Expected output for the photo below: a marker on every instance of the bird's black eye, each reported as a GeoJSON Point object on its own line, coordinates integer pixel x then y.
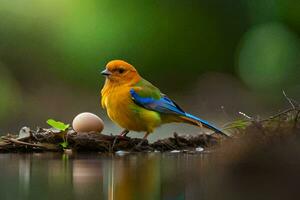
{"type": "Point", "coordinates": [121, 71]}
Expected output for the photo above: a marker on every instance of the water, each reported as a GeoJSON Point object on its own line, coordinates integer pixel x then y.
{"type": "Point", "coordinates": [101, 176]}
{"type": "Point", "coordinates": [149, 176]}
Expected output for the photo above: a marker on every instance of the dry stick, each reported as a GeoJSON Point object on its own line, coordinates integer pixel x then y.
{"type": "Point", "coordinates": [288, 99]}
{"type": "Point", "coordinates": [113, 144]}
{"type": "Point", "coordinates": [294, 108]}
{"type": "Point", "coordinates": [278, 114]}
{"type": "Point", "coordinates": [293, 102]}
{"type": "Point", "coordinates": [26, 143]}
{"type": "Point", "coordinates": [3, 143]}
{"type": "Point", "coordinates": [168, 144]}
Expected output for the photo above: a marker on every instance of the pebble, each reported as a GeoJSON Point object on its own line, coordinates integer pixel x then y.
{"type": "Point", "coordinates": [121, 153]}
{"type": "Point", "coordinates": [24, 133]}
{"type": "Point", "coordinates": [175, 151]}
{"type": "Point", "coordinates": [199, 149]}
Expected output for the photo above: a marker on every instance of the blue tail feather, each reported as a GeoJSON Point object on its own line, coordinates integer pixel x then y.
{"type": "Point", "coordinates": [205, 123]}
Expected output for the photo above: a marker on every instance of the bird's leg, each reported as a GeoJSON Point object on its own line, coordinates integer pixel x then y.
{"type": "Point", "coordinates": [122, 134]}
{"type": "Point", "coordinates": [143, 140]}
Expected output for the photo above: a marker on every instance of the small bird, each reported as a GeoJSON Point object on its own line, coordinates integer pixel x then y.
{"type": "Point", "coordinates": [136, 105]}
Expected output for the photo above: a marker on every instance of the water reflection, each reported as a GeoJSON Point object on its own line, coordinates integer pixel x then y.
{"type": "Point", "coordinates": [150, 176]}
{"type": "Point", "coordinates": [97, 176]}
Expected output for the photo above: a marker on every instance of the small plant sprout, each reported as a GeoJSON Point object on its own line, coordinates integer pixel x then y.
{"type": "Point", "coordinates": [240, 123]}
{"type": "Point", "coordinates": [63, 128]}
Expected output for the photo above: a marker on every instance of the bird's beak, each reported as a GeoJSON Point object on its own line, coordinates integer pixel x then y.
{"type": "Point", "coordinates": [106, 72]}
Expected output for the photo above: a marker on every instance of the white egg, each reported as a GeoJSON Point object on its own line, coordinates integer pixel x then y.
{"type": "Point", "coordinates": [87, 122]}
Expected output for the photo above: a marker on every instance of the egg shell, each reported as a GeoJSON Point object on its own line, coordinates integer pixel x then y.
{"type": "Point", "coordinates": [87, 122]}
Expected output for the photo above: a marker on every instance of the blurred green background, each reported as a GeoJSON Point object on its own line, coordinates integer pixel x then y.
{"type": "Point", "coordinates": [215, 58]}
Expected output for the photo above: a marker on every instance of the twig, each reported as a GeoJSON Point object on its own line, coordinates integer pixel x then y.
{"type": "Point", "coordinates": [289, 99]}
{"type": "Point", "coordinates": [28, 144]}
{"type": "Point", "coordinates": [3, 143]}
{"type": "Point", "coordinates": [278, 114]}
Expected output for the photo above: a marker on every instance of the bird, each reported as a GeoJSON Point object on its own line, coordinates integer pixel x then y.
{"type": "Point", "coordinates": [135, 104]}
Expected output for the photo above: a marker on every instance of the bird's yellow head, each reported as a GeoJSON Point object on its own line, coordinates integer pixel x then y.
{"type": "Point", "coordinates": [120, 72]}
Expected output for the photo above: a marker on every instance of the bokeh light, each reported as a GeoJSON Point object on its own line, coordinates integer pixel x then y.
{"type": "Point", "coordinates": [269, 57]}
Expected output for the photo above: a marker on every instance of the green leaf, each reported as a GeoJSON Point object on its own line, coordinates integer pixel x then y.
{"type": "Point", "coordinates": [64, 145]}
{"type": "Point", "coordinates": [58, 125]}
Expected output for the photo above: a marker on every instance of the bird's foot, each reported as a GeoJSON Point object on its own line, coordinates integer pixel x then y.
{"type": "Point", "coordinates": [114, 143]}
{"type": "Point", "coordinates": [140, 146]}
{"type": "Point", "coordinates": [118, 137]}
{"type": "Point", "coordinates": [121, 135]}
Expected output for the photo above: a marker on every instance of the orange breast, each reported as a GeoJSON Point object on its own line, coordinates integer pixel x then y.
{"type": "Point", "coordinates": [122, 110]}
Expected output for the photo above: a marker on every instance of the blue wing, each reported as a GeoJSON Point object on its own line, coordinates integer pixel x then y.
{"type": "Point", "coordinates": [162, 105]}
{"type": "Point", "coordinates": [167, 106]}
